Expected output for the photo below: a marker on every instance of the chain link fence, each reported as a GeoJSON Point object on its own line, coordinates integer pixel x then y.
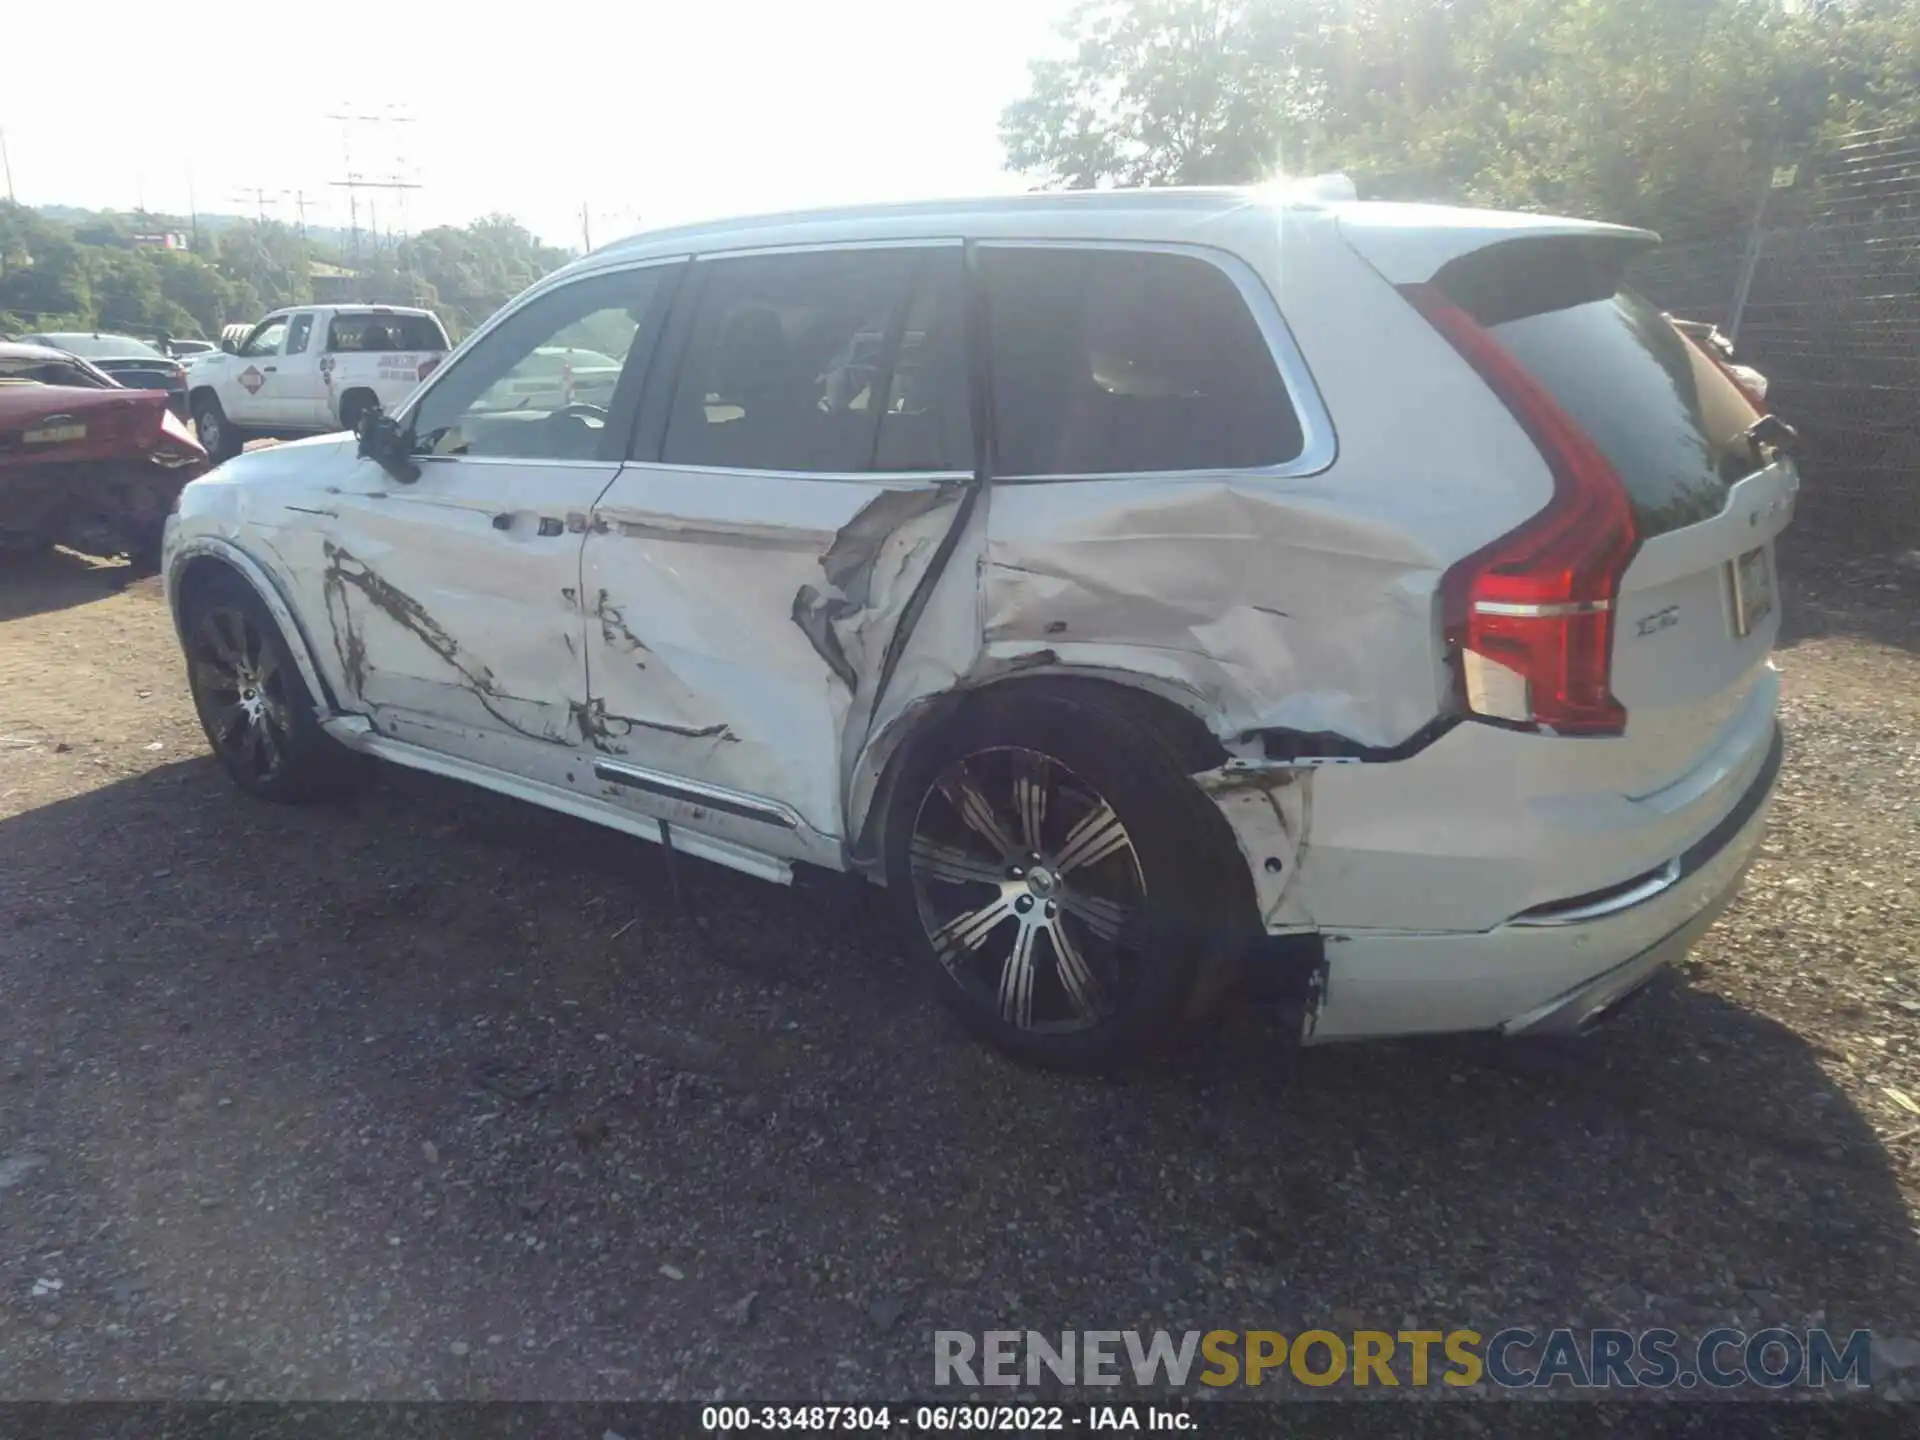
{"type": "Point", "coordinates": [1821, 292]}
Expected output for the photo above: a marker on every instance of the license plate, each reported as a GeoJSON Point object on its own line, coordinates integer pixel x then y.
{"type": "Point", "coordinates": [1752, 590]}
{"type": "Point", "coordinates": [54, 435]}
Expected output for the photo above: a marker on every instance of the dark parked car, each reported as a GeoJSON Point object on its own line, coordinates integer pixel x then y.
{"type": "Point", "coordinates": [134, 363]}
{"type": "Point", "coordinates": [187, 349]}
{"type": "Point", "coordinates": [85, 461]}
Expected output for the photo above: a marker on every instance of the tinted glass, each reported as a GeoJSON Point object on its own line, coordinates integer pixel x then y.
{"type": "Point", "coordinates": [786, 360]}
{"type": "Point", "coordinates": [1115, 361]}
{"type": "Point", "coordinates": [927, 423]}
{"type": "Point", "coordinates": [377, 333]}
{"type": "Point", "coordinates": [534, 389]}
{"type": "Point", "coordinates": [53, 372]}
{"type": "Point", "coordinates": [100, 347]}
{"type": "Point", "coordinates": [1665, 416]}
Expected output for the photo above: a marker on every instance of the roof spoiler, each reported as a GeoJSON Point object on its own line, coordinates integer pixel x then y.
{"type": "Point", "coordinates": [1410, 244]}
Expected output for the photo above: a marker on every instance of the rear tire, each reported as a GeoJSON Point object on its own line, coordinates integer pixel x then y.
{"type": "Point", "coordinates": [1033, 819]}
{"type": "Point", "coordinates": [217, 436]}
{"type": "Point", "coordinates": [256, 710]}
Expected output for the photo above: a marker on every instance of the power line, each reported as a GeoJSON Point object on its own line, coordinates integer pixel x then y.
{"type": "Point", "coordinates": [355, 181]}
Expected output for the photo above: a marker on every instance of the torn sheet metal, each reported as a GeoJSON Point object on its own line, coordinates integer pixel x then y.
{"type": "Point", "coordinates": [393, 651]}
{"type": "Point", "coordinates": [1258, 595]}
{"type": "Point", "coordinates": [743, 626]}
{"type": "Point", "coordinates": [871, 553]}
{"type": "Point", "coordinates": [1269, 808]}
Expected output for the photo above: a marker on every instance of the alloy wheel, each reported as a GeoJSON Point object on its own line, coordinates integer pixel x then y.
{"type": "Point", "coordinates": [242, 691]}
{"type": "Point", "coordinates": [1028, 889]}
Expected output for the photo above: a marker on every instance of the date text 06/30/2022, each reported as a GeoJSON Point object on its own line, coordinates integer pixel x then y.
{"type": "Point", "coordinates": [1005, 1419]}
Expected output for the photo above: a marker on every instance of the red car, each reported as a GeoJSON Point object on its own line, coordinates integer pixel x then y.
{"type": "Point", "coordinates": [84, 461]}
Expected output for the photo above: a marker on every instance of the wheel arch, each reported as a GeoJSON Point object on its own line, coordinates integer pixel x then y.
{"type": "Point", "coordinates": [203, 559]}
{"type": "Point", "coordinates": [1179, 713]}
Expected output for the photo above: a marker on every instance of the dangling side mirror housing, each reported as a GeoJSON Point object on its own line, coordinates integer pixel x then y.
{"type": "Point", "coordinates": [388, 444]}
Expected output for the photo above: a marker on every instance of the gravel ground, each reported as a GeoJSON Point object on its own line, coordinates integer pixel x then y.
{"type": "Point", "coordinates": [429, 1095]}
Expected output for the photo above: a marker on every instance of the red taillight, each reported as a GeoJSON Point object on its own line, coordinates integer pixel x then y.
{"type": "Point", "coordinates": [428, 365]}
{"type": "Point", "coordinates": [1529, 617]}
{"type": "Point", "coordinates": [176, 444]}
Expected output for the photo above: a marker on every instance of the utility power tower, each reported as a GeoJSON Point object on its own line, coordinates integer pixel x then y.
{"type": "Point", "coordinates": [390, 173]}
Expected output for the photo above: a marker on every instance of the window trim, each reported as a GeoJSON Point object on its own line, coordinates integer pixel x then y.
{"type": "Point", "coordinates": [1318, 443]}
{"type": "Point", "coordinates": [671, 357]}
{"type": "Point", "coordinates": [306, 340]}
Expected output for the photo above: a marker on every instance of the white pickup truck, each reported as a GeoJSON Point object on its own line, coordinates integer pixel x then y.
{"type": "Point", "coordinates": [308, 370]}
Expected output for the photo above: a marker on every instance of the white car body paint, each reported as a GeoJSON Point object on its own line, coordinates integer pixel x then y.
{"type": "Point", "coordinates": [716, 641]}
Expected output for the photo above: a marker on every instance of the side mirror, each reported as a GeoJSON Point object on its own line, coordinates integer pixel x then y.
{"type": "Point", "coordinates": [228, 346]}
{"type": "Point", "coordinates": [384, 442]}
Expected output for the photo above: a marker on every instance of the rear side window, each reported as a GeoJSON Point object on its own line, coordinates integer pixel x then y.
{"type": "Point", "coordinates": [1115, 361]}
{"type": "Point", "coordinates": [831, 362]}
{"type": "Point", "coordinates": [376, 333]}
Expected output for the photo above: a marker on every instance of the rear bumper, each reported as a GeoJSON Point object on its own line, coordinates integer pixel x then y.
{"type": "Point", "coordinates": [1552, 973]}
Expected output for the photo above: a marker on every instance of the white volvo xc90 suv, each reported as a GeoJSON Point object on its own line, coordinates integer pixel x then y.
{"type": "Point", "coordinates": [1155, 590]}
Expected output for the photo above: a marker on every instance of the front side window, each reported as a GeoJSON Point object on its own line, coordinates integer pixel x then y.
{"type": "Point", "coordinates": [297, 334]}
{"type": "Point", "coordinates": [266, 340]}
{"type": "Point", "coordinates": [829, 362]}
{"type": "Point", "coordinates": [541, 386]}
{"type": "Point", "coordinates": [1120, 361]}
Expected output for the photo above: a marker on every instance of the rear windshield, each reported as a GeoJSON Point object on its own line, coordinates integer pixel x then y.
{"type": "Point", "coordinates": [1667, 418]}
{"type": "Point", "coordinates": [103, 347]}
{"type": "Point", "coordinates": [76, 373]}
{"type": "Point", "coordinates": [380, 333]}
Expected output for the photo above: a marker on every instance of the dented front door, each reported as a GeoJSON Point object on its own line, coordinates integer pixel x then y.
{"type": "Point", "coordinates": [451, 597]}
{"type": "Point", "coordinates": [742, 589]}
{"type": "Point", "coordinates": [445, 606]}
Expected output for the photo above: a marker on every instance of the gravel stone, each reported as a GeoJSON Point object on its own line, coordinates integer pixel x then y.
{"type": "Point", "coordinates": [771, 1101]}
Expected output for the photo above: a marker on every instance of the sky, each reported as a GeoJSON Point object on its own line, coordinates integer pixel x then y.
{"type": "Point", "coordinates": [644, 113]}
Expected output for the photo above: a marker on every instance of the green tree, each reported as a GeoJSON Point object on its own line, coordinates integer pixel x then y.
{"type": "Point", "coordinates": [1167, 92]}
{"type": "Point", "coordinates": [270, 258]}
{"type": "Point", "coordinates": [1662, 112]}
{"type": "Point", "coordinates": [50, 278]}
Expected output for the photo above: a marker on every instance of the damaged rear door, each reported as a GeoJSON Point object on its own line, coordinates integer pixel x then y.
{"type": "Point", "coordinates": [449, 599]}
{"type": "Point", "coordinates": [745, 576]}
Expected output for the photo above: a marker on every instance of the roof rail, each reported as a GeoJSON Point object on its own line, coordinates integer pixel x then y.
{"type": "Point", "coordinates": [1332, 187]}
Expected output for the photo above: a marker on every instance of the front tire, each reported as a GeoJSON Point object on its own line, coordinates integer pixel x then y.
{"type": "Point", "coordinates": [1066, 883]}
{"type": "Point", "coordinates": [257, 712]}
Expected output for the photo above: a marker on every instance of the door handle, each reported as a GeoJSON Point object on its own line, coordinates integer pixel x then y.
{"type": "Point", "coordinates": [271, 369]}
{"type": "Point", "coordinates": [503, 522]}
